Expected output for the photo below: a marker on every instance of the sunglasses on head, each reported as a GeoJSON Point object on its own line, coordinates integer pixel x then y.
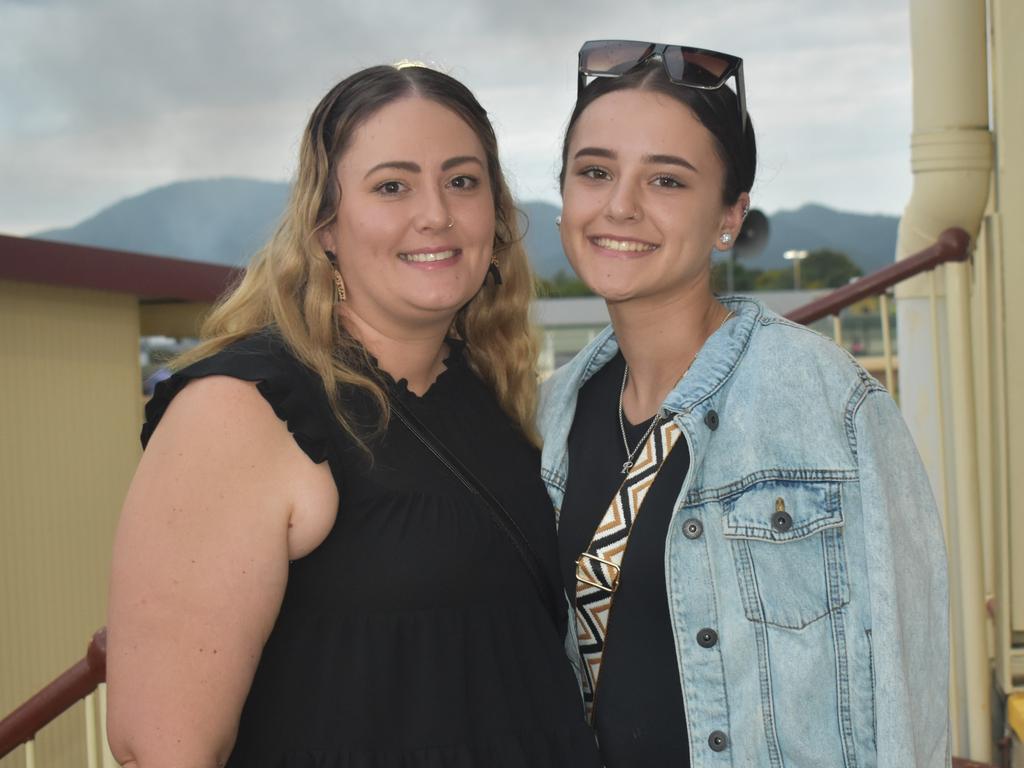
{"type": "Point", "coordinates": [692, 67]}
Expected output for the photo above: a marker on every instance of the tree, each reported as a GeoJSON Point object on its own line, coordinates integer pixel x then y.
{"type": "Point", "coordinates": [825, 268]}
{"type": "Point", "coordinates": [776, 280]}
{"type": "Point", "coordinates": [743, 279]}
{"type": "Point", "coordinates": [562, 285]}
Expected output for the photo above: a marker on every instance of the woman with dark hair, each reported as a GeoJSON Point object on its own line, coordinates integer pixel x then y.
{"type": "Point", "coordinates": [336, 551]}
{"type": "Point", "coordinates": [750, 541]}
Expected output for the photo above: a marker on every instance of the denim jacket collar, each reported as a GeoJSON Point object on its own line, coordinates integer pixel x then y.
{"type": "Point", "coordinates": [690, 400]}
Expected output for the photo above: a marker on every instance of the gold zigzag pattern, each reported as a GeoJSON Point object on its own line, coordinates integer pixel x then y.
{"type": "Point", "coordinates": [614, 531]}
{"type": "Point", "coordinates": [612, 519]}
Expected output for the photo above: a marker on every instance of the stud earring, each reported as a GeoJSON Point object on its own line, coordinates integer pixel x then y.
{"type": "Point", "coordinates": [746, 210]}
{"type": "Point", "coordinates": [558, 220]}
{"type": "Point", "coordinates": [339, 284]}
{"type": "Point", "coordinates": [726, 238]}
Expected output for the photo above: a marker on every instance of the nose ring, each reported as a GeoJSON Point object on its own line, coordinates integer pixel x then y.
{"type": "Point", "coordinates": [451, 223]}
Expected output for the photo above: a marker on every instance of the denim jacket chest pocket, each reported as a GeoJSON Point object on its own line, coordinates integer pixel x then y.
{"type": "Point", "coordinates": [786, 539]}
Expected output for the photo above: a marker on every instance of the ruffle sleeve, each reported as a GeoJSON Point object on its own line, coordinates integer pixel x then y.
{"type": "Point", "coordinates": [294, 392]}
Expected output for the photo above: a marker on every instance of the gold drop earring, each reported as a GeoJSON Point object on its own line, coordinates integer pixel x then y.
{"type": "Point", "coordinates": [339, 284]}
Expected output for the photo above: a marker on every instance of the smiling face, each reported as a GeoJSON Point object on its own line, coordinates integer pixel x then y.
{"type": "Point", "coordinates": [414, 227]}
{"type": "Point", "coordinates": [642, 199]}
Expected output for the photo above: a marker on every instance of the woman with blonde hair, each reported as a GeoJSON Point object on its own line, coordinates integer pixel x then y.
{"type": "Point", "coordinates": [335, 550]}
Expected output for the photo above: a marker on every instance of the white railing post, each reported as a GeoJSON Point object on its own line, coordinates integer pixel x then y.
{"type": "Point", "coordinates": [105, 753]}
{"type": "Point", "coordinates": [837, 329]}
{"type": "Point", "coordinates": [883, 308]}
{"type": "Point", "coordinates": [90, 730]}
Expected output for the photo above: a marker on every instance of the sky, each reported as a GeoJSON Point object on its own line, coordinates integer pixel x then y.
{"type": "Point", "coordinates": [105, 99]}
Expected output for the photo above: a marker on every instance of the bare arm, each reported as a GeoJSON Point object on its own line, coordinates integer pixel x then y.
{"type": "Point", "coordinates": [199, 570]}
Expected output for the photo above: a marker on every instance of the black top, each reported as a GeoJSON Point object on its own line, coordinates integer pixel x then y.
{"type": "Point", "coordinates": [413, 635]}
{"type": "Point", "coordinates": [639, 714]}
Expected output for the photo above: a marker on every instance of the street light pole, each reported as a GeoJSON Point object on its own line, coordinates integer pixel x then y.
{"type": "Point", "coordinates": [796, 257]}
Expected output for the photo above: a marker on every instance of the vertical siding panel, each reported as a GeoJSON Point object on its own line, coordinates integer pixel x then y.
{"type": "Point", "coordinates": [70, 412]}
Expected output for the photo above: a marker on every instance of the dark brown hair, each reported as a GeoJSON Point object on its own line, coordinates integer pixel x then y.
{"type": "Point", "coordinates": [717, 110]}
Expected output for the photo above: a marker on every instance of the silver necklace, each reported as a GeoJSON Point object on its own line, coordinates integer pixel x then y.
{"type": "Point", "coordinates": [628, 463]}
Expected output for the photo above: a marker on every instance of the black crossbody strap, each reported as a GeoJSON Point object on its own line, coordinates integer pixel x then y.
{"type": "Point", "coordinates": [497, 513]}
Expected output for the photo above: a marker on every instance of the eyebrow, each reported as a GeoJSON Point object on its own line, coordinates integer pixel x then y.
{"type": "Point", "coordinates": [451, 162]}
{"type": "Point", "coordinates": [594, 152]}
{"type": "Point", "coordinates": [411, 167]}
{"type": "Point", "coordinates": [649, 159]}
{"type": "Point", "coordinates": [670, 160]}
{"type": "Point", "coordinates": [400, 165]}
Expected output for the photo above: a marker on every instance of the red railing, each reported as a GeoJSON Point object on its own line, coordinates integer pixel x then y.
{"type": "Point", "coordinates": [56, 698]}
{"type": "Point", "coordinates": [951, 246]}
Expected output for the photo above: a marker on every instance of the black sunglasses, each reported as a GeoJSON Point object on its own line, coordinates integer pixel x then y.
{"type": "Point", "coordinates": [692, 67]}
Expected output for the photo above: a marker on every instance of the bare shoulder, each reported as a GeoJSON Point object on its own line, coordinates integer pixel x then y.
{"type": "Point", "coordinates": [222, 435]}
{"type": "Point", "coordinates": [220, 412]}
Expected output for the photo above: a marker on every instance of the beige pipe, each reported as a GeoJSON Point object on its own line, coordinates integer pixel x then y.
{"type": "Point", "coordinates": [951, 158]}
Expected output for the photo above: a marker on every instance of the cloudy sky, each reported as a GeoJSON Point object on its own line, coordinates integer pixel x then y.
{"type": "Point", "coordinates": [104, 99]}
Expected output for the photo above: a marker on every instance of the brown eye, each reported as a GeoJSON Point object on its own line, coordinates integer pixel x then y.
{"type": "Point", "coordinates": [389, 188]}
{"type": "Point", "coordinates": [668, 182]}
{"type": "Point", "coordinates": [464, 182]}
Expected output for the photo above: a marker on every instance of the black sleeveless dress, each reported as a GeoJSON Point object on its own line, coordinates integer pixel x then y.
{"type": "Point", "coordinates": [413, 636]}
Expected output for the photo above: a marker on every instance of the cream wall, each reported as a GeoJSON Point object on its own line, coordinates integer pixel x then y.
{"type": "Point", "coordinates": [70, 413]}
{"type": "Point", "coordinates": [178, 319]}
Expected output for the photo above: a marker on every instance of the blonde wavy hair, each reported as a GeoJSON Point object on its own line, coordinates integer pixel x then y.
{"type": "Point", "coordinates": [289, 283]}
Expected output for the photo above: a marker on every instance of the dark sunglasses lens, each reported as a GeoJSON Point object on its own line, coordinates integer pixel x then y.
{"type": "Point", "coordinates": [612, 57]}
{"type": "Point", "coordinates": [700, 69]}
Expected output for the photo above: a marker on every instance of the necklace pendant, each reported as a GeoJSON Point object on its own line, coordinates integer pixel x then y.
{"type": "Point", "coordinates": [626, 466]}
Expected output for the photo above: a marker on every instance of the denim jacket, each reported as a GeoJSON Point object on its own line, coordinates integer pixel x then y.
{"type": "Point", "coordinates": [806, 536]}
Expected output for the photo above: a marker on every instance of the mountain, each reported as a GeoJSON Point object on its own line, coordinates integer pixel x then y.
{"type": "Point", "coordinates": [869, 240]}
{"type": "Point", "coordinates": [542, 241]}
{"type": "Point", "coordinates": [226, 220]}
{"type": "Point", "coordinates": [223, 221]}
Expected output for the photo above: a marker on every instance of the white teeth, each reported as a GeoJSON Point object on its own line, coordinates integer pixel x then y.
{"type": "Point", "coordinates": [423, 257]}
{"type": "Point", "coordinates": [623, 245]}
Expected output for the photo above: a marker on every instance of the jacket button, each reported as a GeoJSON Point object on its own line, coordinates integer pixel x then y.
{"type": "Point", "coordinates": [711, 419]}
{"type": "Point", "coordinates": [693, 528]}
{"type": "Point", "coordinates": [718, 741]}
{"type": "Point", "coordinates": [782, 522]}
{"type": "Point", "coordinates": [707, 638]}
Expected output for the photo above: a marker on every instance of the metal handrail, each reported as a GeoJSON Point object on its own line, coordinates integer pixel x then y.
{"type": "Point", "coordinates": [56, 698]}
{"type": "Point", "coordinates": [952, 245]}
